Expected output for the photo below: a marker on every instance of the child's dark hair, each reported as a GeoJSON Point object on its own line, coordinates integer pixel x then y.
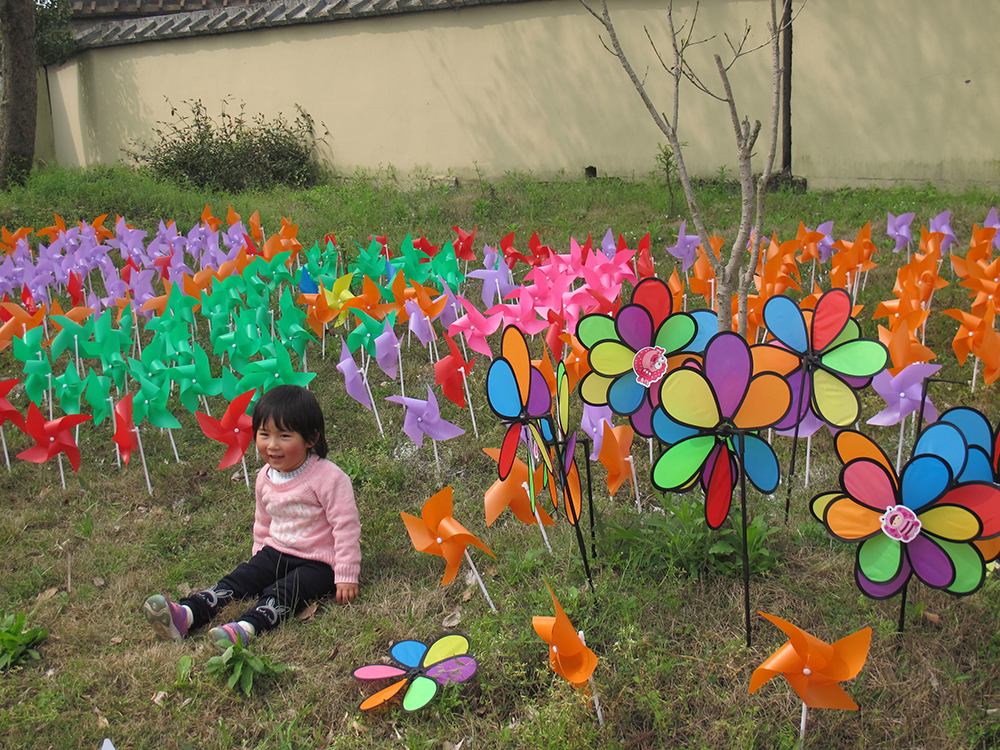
{"type": "Point", "coordinates": [292, 407]}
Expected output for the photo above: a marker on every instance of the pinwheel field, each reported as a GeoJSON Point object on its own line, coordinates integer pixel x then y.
{"type": "Point", "coordinates": [86, 538]}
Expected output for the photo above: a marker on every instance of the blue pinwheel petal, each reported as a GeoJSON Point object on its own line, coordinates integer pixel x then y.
{"type": "Point", "coordinates": [977, 468]}
{"type": "Point", "coordinates": [785, 321]}
{"type": "Point", "coordinates": [925, 478]}
{"type": "Point", "coordinates": [707, 325]}
{"type": "Point", "coordinates": [625, 395]}
{"type": "Point", "coordinates": [408, 653]}
{"type": "Point", "coordinates": [501, 390]}
{"type": "Point", "coordinates": [668, 431]}
{"type": "Point", "coordinates": [760, 464]}
{"type": "Point", "coordinates": [975, 428]}
{"type": "Point", "coordinates": [945, 441]}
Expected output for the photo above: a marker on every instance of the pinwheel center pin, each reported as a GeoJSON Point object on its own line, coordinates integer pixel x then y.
{"type": "Point", "coordinates": [650, 365]}
{"type": "Point", "coordinates": [811, 360]}
{"type": "Point", "coordinates": [900, 523]}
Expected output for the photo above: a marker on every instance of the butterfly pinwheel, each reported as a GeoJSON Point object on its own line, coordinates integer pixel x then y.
{"type": "Point", "coordinates": [628, 353]}
{"type": "Point", "coordinates": [421, 670]}
{"type": "Point", "coordinates": [518, 394]}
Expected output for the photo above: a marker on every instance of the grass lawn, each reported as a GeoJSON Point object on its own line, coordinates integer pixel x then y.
{"type": "Point", "coordinates": [665, 615]}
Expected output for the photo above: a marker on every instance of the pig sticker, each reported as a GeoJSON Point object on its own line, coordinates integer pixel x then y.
{"type": "Point", "coordinates": [650, 365]}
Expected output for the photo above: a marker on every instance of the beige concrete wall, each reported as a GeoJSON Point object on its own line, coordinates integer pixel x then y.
{"type": "Point", "coordinates": [897, 91]}
{"type": "Point", "coordinates": [45, 144]}
{"type": "Point", "coordinates": [524, 87]}
{"type": "Point", "coordinates": [884, 91]}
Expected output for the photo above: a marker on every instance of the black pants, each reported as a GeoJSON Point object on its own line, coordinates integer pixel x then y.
{"type": "Point", "coordinates": [283, 582]}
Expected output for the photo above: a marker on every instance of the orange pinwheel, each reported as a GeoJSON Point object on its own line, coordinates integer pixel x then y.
{"type": "Point", "coordinates": [210, 221]}
{"type": "Point", "coordinates": [971, 332]}
{"type": "Point", "coordinates": [8, 241]}
{"type": "Point", "coordinates": [511, 493]}
{"type": "Point", "coordinates": [568, 655]}
{"type": "Point", "coordinates": [904, 312]}
{"type": "Point", "coordinates": [813, 668]}
{"type": "Point", "coordinates": [575, 361]}
{"type": "Point", "coordinates": [703, 281]}
{"type": "Point", "coordinates": [903, 348]}
{"type": "Point", "coordinates": [19, 323]}
{"type": "Point", "coordinates": [676, 285]}
{"type": "Point", "coordinates": [369, 301]}
{"type": "Point", "coordinates": [438, 533]}
{"type": "Point", "coordinates": [615, 455]}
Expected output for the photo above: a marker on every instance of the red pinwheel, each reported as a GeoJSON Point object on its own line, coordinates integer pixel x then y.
{"type": "Point", "coordinates": [450, 373]}
{"type": "Point", "coordinates": [7, 411]}
{"type": "Point", "coordinates": [125, 437]}
{"type": "Point", "coordinates": [52, 437]}
{"type": "Point", "coordinates": [235, 429]}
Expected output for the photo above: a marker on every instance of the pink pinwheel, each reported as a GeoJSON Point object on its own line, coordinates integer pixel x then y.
{"type": "Point", "coordinates": [521, 314]}
{"type": "Point", "coordinates": [685, 249]}
{"type": "Point", "coordinates": [52, 437]}
{"type": "Point", "coordinates": [902, 394]}
{"type": "Point", "coordinates": [898, 228]}
{"type": "Point", "coordinates": [235, 429]}
{"type": "Point", "coordinates": [941, 223]}
{"type": "Point", "coordinates": [424, 418]}
{"type": "Point", "coordinates": [476, 327]}
{"type": "Point", "coordinates": [352, 376]}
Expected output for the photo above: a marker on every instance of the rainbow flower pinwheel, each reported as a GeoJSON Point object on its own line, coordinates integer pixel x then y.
{"type": "Point", "coordinates": [517, 393]}
{"type": "Point", "coordinates": [708, 417]}
{"type": "Point", "coordinates": [822, 355]}
{"type": "Point", "coordinates": [628, 352]}
{"type": "Point", "coordinates": [924, 522]}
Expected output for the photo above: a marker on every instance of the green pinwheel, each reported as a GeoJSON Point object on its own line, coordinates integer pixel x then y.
{"type": "Point", "coordinates": [74, 337]}
{"type": "Point", "coordinates": [370, 262]}
{"type": "Point", "coordinates": [97, 393]}
{"type": "Point", "coordinates": [37, 368]}
{"type": "Point", "coordinates": [195, 379]}
{"type": "Point", "coordinates": [367, 330]}
{"type": "Point", "coordinates": [110, 341]}
{"type": "Point", "coordinates": [151, 402]}
{"type": "Point", "coordinates": [444, 266]}
{"type": "Point", "coordinates": [69, 389]}
{"type": "Point", "coordinates": [290, 327]}
{"type": "Point", "coordinates": [413, 261]}
{"type": "Point", "coordinates": [264, 374]}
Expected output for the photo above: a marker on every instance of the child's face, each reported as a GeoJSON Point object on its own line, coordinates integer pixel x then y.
{"type": "Point", "coordinates": [283, 450]}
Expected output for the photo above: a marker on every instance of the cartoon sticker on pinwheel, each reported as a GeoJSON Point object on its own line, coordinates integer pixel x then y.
{"type": "Point", "coordinates": [421, 670]}
{"type": "Point", "coordinates": [518, 394]}
{"type": "Point", "coordinates": [709, 418]}
{"type": "Point", "coordinates": [628, 352]}
{"type": "Point", "coordinates": [569, 656]}
{"type": "Point", "coordinates": [925, 522]}
{"type": "Point", "coordinates": [813, 668]}
{"type": "Point", "coordinates": [438, 533]}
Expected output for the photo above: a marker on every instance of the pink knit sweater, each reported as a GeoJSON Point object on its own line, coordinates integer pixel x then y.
{"type": "Point", "coordinates": [312, 516]}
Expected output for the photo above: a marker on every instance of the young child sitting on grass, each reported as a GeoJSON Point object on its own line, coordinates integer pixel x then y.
{"type": "Point", "coordinates": [306, 530]}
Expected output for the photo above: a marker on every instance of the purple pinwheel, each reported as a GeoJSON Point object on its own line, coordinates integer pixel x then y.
{"type": "Point", "coordinates": [898, 228]}
{"type": "Point", "coordinates": [940, 223]}
{"type": "Point", "coordinates": [993, 223]}
{"type": "Point", "coordinates": [352, 376]}
{"type": "Point", "coordinates": [496, 283]}
{"type": "Point", "coordinates": [420, 324]}
{"type": "Point", "coordinates": [424, 418]}
{"type": "Point", "coordinates": [387, 352]}
{"type": "Point", "coordinates": [592, 423]}
{"type": "Point", "coordinates": [685, 249]}
{"type": "Point", "coordinates": [902, 394]}
{"type": "Point", "coordinates": [608, 245]}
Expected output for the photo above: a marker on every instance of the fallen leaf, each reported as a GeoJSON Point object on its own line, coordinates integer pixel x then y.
{"type": "Point", "coordinates": [453, 619]}
{"type": "Point", "coordinates": [47, 594]}
{"type": "Point", "coordinates": [356, 726]}
{"type": "Point", "coordinates": [183, 588]}
{"type": "Point", "coordinates": [492, 572]}
{"type": "Point", "coordinates": [466, 595]}
{"type": "Point", "coordinates": [117, 640]}
{"type": "Point", "coordinates": [936, 619]}
{"type": "Point", "coordinates": [99, 582]}
{"type": "Point", "coordinates": [308, 611]}
{"type": "Point", "coordinates": [186, 701]}
{"type": "Point", "coordinates": [159, 697]}
{"type": "Point", "coordinates": [333, 654]}
{"type": "Point", "coordinates": [453, 746]}
{"type": "Point", "coordinates": [102, 723]}
{"type": "Point", "coordinates": [482, 710]}
{"type": "Point", "coordinates": [470, 577]}
{"type": "Point", "coordinates": [237, 476]}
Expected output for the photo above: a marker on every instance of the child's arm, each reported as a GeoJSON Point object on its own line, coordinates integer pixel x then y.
{"type": "Point", "coordinates": [261, 518]}
{"type": "Point", "coordinates": [345, 528]}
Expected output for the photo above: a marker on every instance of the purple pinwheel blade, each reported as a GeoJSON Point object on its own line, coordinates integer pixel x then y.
{"type": "Point", "coordinates": [352, 376]}
{"type": "Point", "coordinates": [884, 590]}
{"type": "Point", "coordinates": [539, 396]}
{"type": "Point", "coordinates": [635, 326]}
{"type": "Point", "coordinates": [387, 353]}
{"type": "Point", "coordinates": [456, 669]}
{"type": "Point", "coordinates": [728, 368]}
{"type": "Point", "coordinates": [931, 563]}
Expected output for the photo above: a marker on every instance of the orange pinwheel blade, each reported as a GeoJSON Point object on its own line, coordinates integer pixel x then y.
{"type": "Point", "coordinates": [569, 657]}
{"type": "Point", "coordinates": [383, 696]}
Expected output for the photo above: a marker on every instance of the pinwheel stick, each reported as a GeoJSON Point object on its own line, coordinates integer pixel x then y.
{"type": "Point", "coordinates": [571, 509]}
{"type": "Point", "coordinates": [802, 722]}
{"type": "Point", "coordinates": [809, 449]}
{"type": "Point", "coordinates": [468, 398]}
{"type": "Point", "coordinates": [593, 688]}
{"type": "Point", "coordinates": [899, 449]}
{"type": "Point", "coordinates": [142, 455]}
{"type": "Point", "coordinates": [545, 537]}
{"type": "Point", "coordinates": [246, 474]}
{"type": "Point", "coordinates": [6, 456]}
{"type": "Point", "coordinates": [902, 609]}
{"type": "Point", "coordinates": [479, 580]}
{"type": "Point", "coordinates": [746, 547]}
{"type": "Point", "coordinates": [635, 485]}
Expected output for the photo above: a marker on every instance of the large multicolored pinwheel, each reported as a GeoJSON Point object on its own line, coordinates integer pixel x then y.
{"type": "Point", "coordinates": [628, 353]}
{"type": "Point", "coordinates": [926, 521]}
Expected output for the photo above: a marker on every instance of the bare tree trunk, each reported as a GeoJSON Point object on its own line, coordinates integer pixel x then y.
{"type": "Point", "coordinates": [19, 98]}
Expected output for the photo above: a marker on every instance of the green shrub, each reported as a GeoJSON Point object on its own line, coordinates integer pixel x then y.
{"type": "Point", "coordinates": [232, 153]}
{"type": "Point", "coordinates": [242, 666]}
{"type": "Point", "coordinates": [16, 643]}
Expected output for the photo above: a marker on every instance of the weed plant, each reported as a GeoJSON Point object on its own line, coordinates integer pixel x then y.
{"type": "Point", "coordinates": [17, 642]}
{"type": "Point", "coordinates": [242, 668]}
{"type": "Point", "coordinates": [674, 669]}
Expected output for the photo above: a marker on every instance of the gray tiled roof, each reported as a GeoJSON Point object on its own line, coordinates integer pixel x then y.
{"type": "Point", "coordinates": [258, 16]}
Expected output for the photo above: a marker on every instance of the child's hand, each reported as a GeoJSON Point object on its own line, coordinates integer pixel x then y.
{"type": "Point", "coordinates": [346, 592]}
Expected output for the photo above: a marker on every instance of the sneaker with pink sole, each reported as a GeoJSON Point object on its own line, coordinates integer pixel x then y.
{"type": "Point", "coordinates": [229, 634]}
{"type": "Point", "coordinates": [169, 620]}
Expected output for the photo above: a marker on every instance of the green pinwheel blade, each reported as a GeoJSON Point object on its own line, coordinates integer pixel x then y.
{"type": "Point", "coordinates": [879, 558]}
{"type": "Point", "coordinates": [421, 691]}
{"type": "Point", "coordinates": [97, 394]}
{"type": "Point", "coordinates": [594, 328]}
{"type": "Point", "coordinates": [681, 461]}
{"type": "Point", "coordinates": [675, 333]}
{"type": "Point", "coordinates": [29, 346]}
{"type": "Point", "coordinates": [861, 358]}
{"type": "Point", "coordinates": [969, 569]}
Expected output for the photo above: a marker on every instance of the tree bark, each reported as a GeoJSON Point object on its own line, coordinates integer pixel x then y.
{"type": "Point", "coordinates": [19, 98]}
